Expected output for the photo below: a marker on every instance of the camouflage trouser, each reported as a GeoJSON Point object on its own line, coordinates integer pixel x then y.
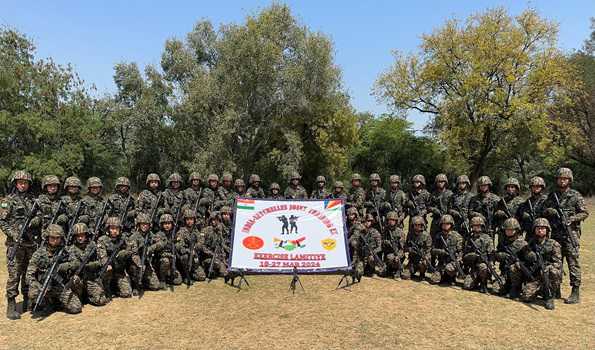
{"type": "Point", "coordinates": [149, 280]}
{"type": "Point", "coordinates": [219, 267]}
{"type": "Point", "coordinates": [197, 272]}
{"type": "Point", "coordinates": [533, 288]}
{"type": "Point", "coordinates": [479, 274]}
{"type": "Point", "coordinates": [449, 270]}
{"type": "Point", "coordinates": [56, 296]}
{"type": "Point", "coordinates": [116, 282]}
{"type": "Point", "coordinates": [92, 288]}
{"type": "Point", "coordinates": [415, 264]}
{"type": "Point", "coordinates": [17, 268]}
{"type": "Point", "coordinates": [165, 271]}
{"type": "Point", "coordinates": [512, 276]}
{"type": "Point", "coordinates": [394, 262]}
{"type": "Point", "coordinates": [571, 256]}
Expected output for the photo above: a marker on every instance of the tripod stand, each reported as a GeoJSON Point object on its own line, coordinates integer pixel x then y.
{"type": "Point", "coordinates": [295, 280]}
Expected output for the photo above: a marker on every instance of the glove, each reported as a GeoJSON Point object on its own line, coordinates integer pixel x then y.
{"type": "Point", "coordinates": [526, 216]}
{"type": "Point", "coordinates": [93, 266]}
{"type": "Point", "coordinates": [123, 255]}
{"type": "Point", "coordinates": [63, 267]}
{"type": "Point", "coordinates": [550, 212]}
{"type": "Point", "coordinates": [531, 257]}
{"type": "Point", "coordinates": [35, 222]}
{"type": "Point", "coordinates": [499, 214]}
{"type": "Point", "coordinates": [439, 252]}
{"type": "Point", "coordinates": [62, 219]}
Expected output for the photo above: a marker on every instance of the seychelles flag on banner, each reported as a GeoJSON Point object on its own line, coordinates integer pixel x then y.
{"type": "Point", "coordinates": [332, 204]}
{"type": "Point", "coordinates": [246, 204]}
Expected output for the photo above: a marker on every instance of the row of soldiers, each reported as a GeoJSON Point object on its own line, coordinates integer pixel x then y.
{"type": "Point", "coordinates": [24, 218]}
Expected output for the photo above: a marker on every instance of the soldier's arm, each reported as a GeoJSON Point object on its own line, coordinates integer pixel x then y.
{"type": "Point", "coordinates": [32, 268]}
{"type": "Point", "coordinates": [580, 209]}
{"type": "Point", "coordinates": [5, 214]}
{"type": "Point", "coordinates": [102, 254]}
{"type": "Point", "coordinates": [556, 258]}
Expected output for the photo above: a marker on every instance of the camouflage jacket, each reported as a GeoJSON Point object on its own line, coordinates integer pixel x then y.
{"type": "Point", "coordinates": [483, 242]}
{"type": "Point", "coordinates": [356, 199]}
{"type": "Point", "coordinates": [529, 210]}
{"type": "Point", "coordinates": [119, 209]}
{"type": "Point", "coordinates": [48, 206]}
{"type": "Point", "coordinates": [458, 208]}
{"type": "Point", "coordinates": [188, 237]}
{"type": "Point", "coordinates": [509, 248]}
{"type": "Point", "coordinates": [192, 195]}
{"type": "Point", "coordinates": [296, 193]}
{"type": "Point", "coordinates": [41, 261]}
{"type": "Point", "coordinates": [319, 194]}
{"type": "Point", "coordinates": [420, 243]}
{"type": "Point", "coordinates": [14, 212]}
{"type": "Point", "coordinates": [71, 203]}
{"type": "Point", "coordinates": [92, 210]}
{"type": "Point", "coordinates": [575, 210]}
{"type": "Point", "coordinates": [454, 243]}
{"type": "Point", "coordinates": [438, 206]}
{"type": "Point", "coordinates": [397, 202]}
{"type": "Point", "coordinates": [172, 201]}
{"type": "Point", "coordinates": [550, 251]}
{"type": "Point", "coordinates": [106, 246]}
{"type": "Point", "coordinates": [513, 204]}
{"type": "Point", "coordinates": [418, 203]}
{"type": "Point", "coordinates": [375, 199]}
{"type": "Point", "coordinates": [77, 255]}
{"type": "Point", "coordinates": [252, 192]}
{"type": "Point", "coordinates": [486, 206]}
{"type": "Point", "coordinates": [146, 202]}
{"type": "Point", "coordinates": [393, 239]}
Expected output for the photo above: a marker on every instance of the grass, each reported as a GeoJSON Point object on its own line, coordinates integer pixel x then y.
{"type": "Point", "coordinates": [377, 313]}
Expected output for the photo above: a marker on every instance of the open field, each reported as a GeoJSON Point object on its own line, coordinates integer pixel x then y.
{"type": "Point", "coordinates": [377, 313]}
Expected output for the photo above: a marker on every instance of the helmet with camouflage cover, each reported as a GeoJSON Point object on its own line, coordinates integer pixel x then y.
{"type": "Point", "coordinates": [394, 179]}
{"type": "Point", "coordinates": [142, 218]}
{"type": "Point", "coordinates": [94, 182]}
{"type": "Point", "coordinates": [189, 214]}
{"type": "Point", "coordinates": [419, 178]}
{"type": "Point", "coordinates": [565, 173]}
{"type": "Point", "coordinates": [441, 177]}
{"type": "Point", "coordinates": [214, 215]}
{"type": "Point", "coordinates": [254, 178]}
{"type": "Point", "coordinates": [542, 222]}
{"type": "Point", "coordinates": [356, 176]}
{"type": "Point", "coordinates": [72, 181]}
{"type": "Point", "coordinates": [295, 176]}
{"type": "Point", "coordinates": [352, 210]}
{"type": "Point", "coordinates": [537, 181]}
{"type": "Point", "coordinates": [152, 177]}
{"type": "Point", "coordinates": [320, 178]}
{"type": "Point", "coordinates": [113, 221]}
{"type": "Point", "coordinates": [447, 219]}
{"type": "Point", "coordinates": [166, 218]}
{"type": "Point", "coordinates": [194, 176]}
{"type": "Point", "coordinates": [54, 230]}
{"type": "Point", "coordinates": [339, 184]}
{"type": "Point", "coordinates": [513, 182]}
{"type": "Point", "coordinates": [80, 228]}
{"type": "Point", "coordinates": [21, 175]}
{"type": "Point", "coordinates": [275, 186]}
{"type": "Point", "coordinates": [391, 215]}
{"type": "Point", "coordinates": [212, 177]}
{"type": "Point", "coordinates": [122, 181]}
{"type": "Point", "coordinates": [225, 210]}
{"type": "Point", "coordinates": [49, 180]}
{"type": "Point", "coordinates": [418, 220]}
{"type": "Point", "coordinates": [374, 177]}
{"type": "Point", "coordinates": [175, 177]}
{"type": "Point", "coordinates": [239, 182]}
{"type": "Point", "coordinates": [511, 224]}
{"type": "Point", "coordinates": [484, 180]}
{"type": "Point", "coordinates": [227, 177]}
{"type": "Point", "coordinates": [477, 220]}
{"type": "Point", "coordinates": [463, 179]}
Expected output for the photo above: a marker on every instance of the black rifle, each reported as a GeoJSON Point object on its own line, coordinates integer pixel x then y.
{"type": "Point", "coordinates": [111, 257]}
{"type": "Point", "coordinates": [564, 222]}
{"type": "Point", "coordinates": [371, 252]}
{"type": "Point", "coordinates": [21, 237]}
{"type": "Point", "coordinates": [81, 267]}
{"type": "Point", "coordinates": [72, 222]}
{"type": "Point", "coordinates": [190, 258]}
{"type": "Point", "coordinates": [545, 278]}
{"type": "Point", "coordinates": [154, 210]}
{"type": "Point", "coordinates": [57, 213]}
{"type": "Point", "coordinates": [415, 249]}
{"type": "Point", "coordinates": [515, 259]}
{"type": "Point", "coordinates": [49, 276]}
{"type": "Point", "coordinates": [172, 268]}
{"type": "Point", "coordinates": [143, 260]}
{"type": "Point", "coordinates": [218, 248]}
{"type": "Point", "coordinates": [452, 256]}
{"type": "Point", "coordinates": [415, 208]}
{"type": "Point", "coordinates": [485, 260]}
{"type": "Point", "coordinates": [125, 212]}
{"type": "Point", "coordinates": [99, 221]}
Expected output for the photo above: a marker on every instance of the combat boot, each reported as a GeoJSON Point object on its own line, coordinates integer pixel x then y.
{"type": "Point", "coordinates": [25, 304]}
{"type": "Point", "coordinates": [549, 304]}
{"type": "Point", "coordinates": [11, 310]}
{"type": "Point", "coordinates": [514, 292]}
{"type": "Point", "coordinates": [557, 293]}
{"type": "Point", "coordinates": [574, 297]}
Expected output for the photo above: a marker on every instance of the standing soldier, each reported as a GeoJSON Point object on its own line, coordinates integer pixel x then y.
{"type": "Point", "coordinates": [547, 255]}
{"type": "Point", "coordinates": [49, 200]}
{"type": "Point", "coordinates": [393, 245]}
{"type": "Point", "coordinates": [479, 244]}
{"type": "Point", "coordinates": [94, 202]}
{"type": "Point", "coordinates": [193, 193]}
{"type": "Point", "coordinates": [533, 207]}
{"type": "Point", "coordinates": [213, 197]}
{"type": "Point", "coordinates": [240, 189]}
{"type": "Point", "coordinates": [512, 197]}
{"type": "Point", "coordinates": [512, 254]}
{"type": "Point", "coordinates": [149, 198]}
{"type": "Point", "coordinates": [566, 210]}
{"type": "Point", "coordinates": [320, 192]}
{"type": "Point", "coordinates": [142, 274]}
{"type": "Point", "coordinates": [419, 248]}
{"type": "Point", "coordinates": [439, 201]}
{"type": "Point", "coordinates": [357, 195]}
{"type": "Point", "coordinates": [485, 203]}
{"type": "Point", "coordinates": [16, 211]}
{"type": "Point", "coordinates": [72, 201]}
{"type": "Point", "coordinates": [354, 226]}
{"type": "Point", "coordinates": [190, 245]}
{"type": "Point", "coordinates": [163, 246]}
{"type": "Point", "coordinates": [226, 187]}
{"type": "Point", "coordinates": [114, 255]}
{"type": "Point", "coordinates": [295, 190]}
{"type": "Point", "coordinates": [338, 191]}
{"type": "Point", "coordinates": [173, 197]}
{"type": "Point", "coordinates": [254, 191]}
{"type": "Point", "coordinates": [418, 199]}
{"type": "Point", "coordinates": [397, 199]}
{"type": "Point", "coordinates": [275, 191]}
{"type": "Point", "coordinates": [375, 199]}
{"type": "Point", "coordinates": [447, 250]}
{"type": "Point", "coordinates": [459, 205]}
{"type": "Point", "coordinates": [123, 204]}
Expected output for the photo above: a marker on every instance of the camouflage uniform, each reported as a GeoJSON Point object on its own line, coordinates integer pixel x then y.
{"type": "Point", "coordinates": [123, 205]}
{"type": "Point", "coordinates": [513, 201]}
{"type": "Point", "coordinates": [142, 240]}
{"type": "Point", "coordinates": [486, 205]}
{"type": "Point", "coordinates": [459, 205]}
{"type": "Point", "coordinates": [188, 239]}
{"type": "Point", "coordinates": [173, 199]}
{"type": "Point", "coordinates": [447, 267]}
{"type": "Point", "coordinates": [240, 190]}
{"type": "Point", "coordinates": [357, 195]}
{"type": "Point", "coordinates": [93, 204]}
{"type": "Point", "coordinates": [213, 197]}
{"type": "Point", "coordinates": [163, 245]}
{"type": "Point", "coordinates": [478, 270]}
{"type": "Point", "coordinates": [49, 203]}
{"type": "Point", "coordinates": [376, 199]}
{"type": "Point", "coordinates": [532, 208]}
{"type": "Point", "coordinates": [338, 191]}
{"type": "Point", "coordinates": [418, 200]}
{"type": "Point", "coordinates": [255, 191]}
{"type": "Point", "coordinates": [512, 255]}
{"type": "Point", "coordinates": [419, 248]}
{"type": "Point", "coordinates": [148, 198]}
{"type": "Point", "coordinates": [275, 186]}
{"type": "Point", "coordinates": [115, 281]}
{"type": "Point", "coordinates": [215, 248]}
{"type": "Point", "coordinates": [393, 245]}
{"type": "Point", "coordinates": [438, 205]}
{"type": "Point", "coordinates": [397, 199]}
{"type": "Point", "coordinates": [295, 191]}
{"type": "Point", "coordinates": [320, 192]}
{"type": "Point", "coordinates": [367, 246]}
{"type": "Point", "coordinates": [72, 202]}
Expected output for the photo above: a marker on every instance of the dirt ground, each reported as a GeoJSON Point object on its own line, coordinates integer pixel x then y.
{"type": "Point", "coordinates": [377, 313]}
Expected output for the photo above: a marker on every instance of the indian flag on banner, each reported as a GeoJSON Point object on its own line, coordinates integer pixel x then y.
{"type": "Point", "coordinates": [246, 204]}
{"type": "Point", "coordinates": [332, 204]}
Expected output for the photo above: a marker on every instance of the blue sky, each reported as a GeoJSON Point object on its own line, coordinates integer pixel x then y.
{"type": "Point", "coordinates": [94, 35]}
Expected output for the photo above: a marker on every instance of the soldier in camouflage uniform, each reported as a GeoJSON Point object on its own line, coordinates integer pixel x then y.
{"type": "Point", "coordinates": [148, 199]}
{"type": "Point", "coordinates": [194, 192]}
{"type": "Point", "coordinates": [397, 199]}
{"type": "Point", "coordinates": [13, 215]}
{"type": "Point", "coordinates": [357, 195]}
{"type": "Point", "coordinates": [240, 189]}
{"type": "Point", "coordinates": [254, 191]}
{"type": "Point", "coordinates": [567, 228]}
{"type": "Point", "coordinates": [226, 187]}
{"type": "Point", "coordinates": [42, 259]}
{"type": "Point", "coordinates": [338, 191]}
{"type": "Point", "coordinates": [215, 249]}
{"type": "Point", "coordinates": [94, 202]}
{"type": "Point", "coordinates": [163, 246]}
{"type": "Point", "coordinates": [418, 199]}
{"type": "Point", "coordinates": [393, 243]}
{"type": "Point", "coordinates": [478, 270]}
{"type": "Point", "coordinates": [72, 200]}
{"type": "Point", "coordinates": [142, 237]}
{"type": "Point", "coordinates": [459, 205]}
{"type": "Point", "coordinates": [439, 201]}
{"type": "Point", "coordinates": [533, 207]}
{"type": "Point", "coordinates": [367, 246]}
{"type": "Point", "coordinates": [275, 191]}
{"type": "Point", "coordinates": [295, 190]}
{"type": "Point", "coordinates": [512, 196]}
{"type": "Point", "coordinates": [320, 192]}
{"type": "Point", "coordinates": [376, 199]}
{"type": "Point", "coordinates": [447, 250]}
{"type": "Point", "coordinates": [123, 204]}
{"type": "Point", "coordinates": [512, 255]}
{"type": "Point", "coordinates": [49, 201]}
{"type": "Point", "coordinates": [419, 248]}
{"type": "Point", "coordinates": [547, 255]}
{"type": "Point", "coordinates": [190, 239]}
{"type": "Point", "coordinates": [115, 281]}
{"type": "Point", "coordinates": [213, 197]}
{"type": "Point", "coordinates": [88, 284]}
{"type": "Point", "coordinates": [486, 203]}
{"type": "Point", "coordinates": [173, 196]}
{"type": "Point", "coordinates": [353, 222]}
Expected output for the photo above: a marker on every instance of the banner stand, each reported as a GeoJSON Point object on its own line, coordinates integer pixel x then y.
{"type": "Point", "coordinates": [295, 280]}
{"type": "Point", "coordinates": [242, 276]}
{"type": "Point", "coordinates": [346, 275]}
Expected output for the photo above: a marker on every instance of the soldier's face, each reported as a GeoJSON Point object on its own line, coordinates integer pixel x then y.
{"type": "Point", "coordinates": [174, 185]}
{"type": "Point", "coordinates": [374, 183]}
{"type": "Point", "coordinates": [462, 186]}
{"type": "Point", "coordinates": [540, 231]}
{"type": "Point", "coordinates": [369, 223]}
{"type": "Point", "coordinates": [563, 182]}
{"type": "Point", "coordinates": [189, 221]}
{"type": "Point", "coordinates": [446, 227]}
{"type": "Point", "coordinates": [123, 189]}
{"type": "Point", "coordinates": [391, 222]}
{"type": "Point", "coordinates": [95, 190]}
{"type": "Point", "coordinates": [22, 185]}
{"type": "Point", "coordinates": [144, 227]}
{"type": "Point", "coordinates": [509, 232]}
{"type": "Point", "coordinates": [275, 191]}
{"type": "Point", "coordinates": [114, 231]}
{"type": "Point", "coordinates": [226, 183]}
{"type": "Point", "coordinates": [321, 184]}
{"type": "Point", "coordinates": [167, 226]}
{"type": "Point", "coordinates": [256, 184]}
{"type": "Point", "coordinates": [52, 189]}
{"type": "Point", "coordinates": [338, 189]}
{"type": "Point", "coordinates": [54, 241]}
{"type": "Point", "coordinates": [295, 182]}
{"type": "Point", "coordinates": [73, 189]}
{"type": "Point", "coordinates": [356, 183]}
{"type": "Point", "coordinates": [484, 188]}
{"type": "Point", "coordinates": [441, 184]}
{"type": "Point", "coordinates": [195, 182]}
{"type": "Point", "coordinates": [240, 189]}
{"type": "Point", "coordinates": [416, 184]}
{"type": "Point", "coordinates": [81, 238]}
{"type": "Point", "coordinates": [536, 189]}
{"type": "Point", "coordinates": [213, 184]}
{"type": "Point", "coordinates": [351, 217]}
{"type": "Point", "coordinates": [226, 217]}
{"type": "Point", "coordinates": [476, 228]}
{"type": "Point", "coordinates": [394, 186]}
{"type": "Point", "coordinates": [418, 228]}
{"type": "Point", "coordinates": [153, 184]}
{"type": "Point", "coordinates": [511, 189]}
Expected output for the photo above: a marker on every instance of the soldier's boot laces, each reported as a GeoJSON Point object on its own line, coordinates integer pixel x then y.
{"type": "Point", "coordinates": [549, 304]}
{"type": "Point", "coordinates": [574, 297]}
{"type": "Point", "coordinates": [11, 310]}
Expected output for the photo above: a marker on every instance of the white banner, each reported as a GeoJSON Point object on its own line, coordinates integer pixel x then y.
{"type": "Point", "coordinates": [274, 236]}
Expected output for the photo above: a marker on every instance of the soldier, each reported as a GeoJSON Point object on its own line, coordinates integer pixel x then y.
{"type": "Point", "coordinates": [459, 205]}
{"type": "Point", "coordinates": [418, 199]}
{"type": "Point", "coordinates": [88, 284]}
{"type": "Point", "coordinates": [547, 255]}
{"type": "Point", "coordinates": [447, 251]}
{"type": "Point", "coordinates": [338, 191]}
{"type": "Point", "coordinates": [190, 245]}
{"type": "Point", "coordinates": [275, 191]}
{"type": "Point", "coordinates": [240, 189]}
{"type": "Point", "coordinates": [512, 197]}
{"type": "Point", "coordinates": [566, 210]}
{"type": "Point", "coordinates": [16, 208]}
{"type": "Point", "coordinates": [397, 199]}
{"type": "Point", "coordinates": [479, 244]}
{"type": "Point", "coordinates": [419, 248]}
{"type": "Point", "coordinates": [439, 201]}
{"type": "Point", "coordinates": [225, 188]}
{"type": "Point", "coordinates": [94, 203]}
{"type": "Point", "coordinates": [163, 246]}
{"type": "Point", "coordinates": [357, 195]}
{"type": "Point", "coordinates": [512, 254]}
{"type": "Point", "coordinates": [142, 273]}
{"type": "Point", "coordinates": [49, 200]}
{"type": "Point", "coordinates": [173, 197]}
{"type": "Point", "coordinates": [533, 207]}
{"type": "Point", "coordinates": [114, 254]}
{"type": "Point", "coordinates": [320, 192]}
{"type": "Point", "coordinates": [212, 197]}
{"type": "Point", "coordinates": [375, 199]}
{"type": "Point", "coordinates": [486, 203]}
{"type": "Point", "coordinates": [149, 198]}
{"type": "Point", "coordinates": [193, 193]}
{"type": "Point", "coordinates": [72, 202]}
{"type": "Point", "coordinates": [123, 204]}
{"type": "Point", "coordinates": [367, 245]}
{"type": "Point", "coordinates": [216, 249]}
{"type": "Point", "coordinates": [354, 226]}
{"type": "Point", "coordinates": [393, 245]}
{"type": "Point", "coordinates": [41, 261]}
{"type": "Point", "coordinates": [254, 191]}
{"type": "Point", "coordinates": [295, 190]}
